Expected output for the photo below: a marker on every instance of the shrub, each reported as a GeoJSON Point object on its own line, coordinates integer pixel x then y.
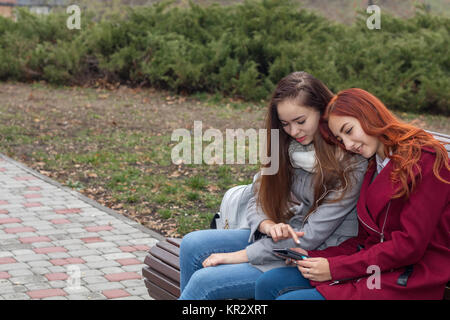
{"type": "Point", "coordinates": [240, 50]}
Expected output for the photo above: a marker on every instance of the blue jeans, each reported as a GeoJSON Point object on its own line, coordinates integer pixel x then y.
{"type": "Point", "coordinates": [285, 284]}
{"type": "Point", "coordinates": [227, 281]}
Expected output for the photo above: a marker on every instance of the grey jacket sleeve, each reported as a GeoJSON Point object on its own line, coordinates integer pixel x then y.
{"type": "Point", "coordinates": [319, 226]}
{"type": "Point", "coordinates": [260, 251]}
{"type": "Point", "coordinates": [255, 215]}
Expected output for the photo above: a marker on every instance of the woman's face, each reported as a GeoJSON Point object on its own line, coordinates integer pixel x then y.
{"type": "Point", "coordinates": [300, 122]}
{"type": "Point", "coordinates": [348, 130]}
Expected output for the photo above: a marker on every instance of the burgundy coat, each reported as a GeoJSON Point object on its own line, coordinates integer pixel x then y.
{"type": "Point", "coordinates": [416, 233]}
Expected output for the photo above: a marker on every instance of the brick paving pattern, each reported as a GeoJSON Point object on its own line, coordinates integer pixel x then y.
{"type": "Point", "coordinates": [57, 244]}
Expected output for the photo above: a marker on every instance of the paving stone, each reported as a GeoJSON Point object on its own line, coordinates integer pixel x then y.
{"type": "Point", "coordinates": [57, 269]}
{"type": "Point", "coordinates": [55, 298]}
{"type": "Point", "coordinates": [98, 287]}
{"type": "Point", "coordinates": [92, 258]}
{"type": "Point", "coordinates": [134, 268]}
{"type": "Point", "coordinates": [91, 273]}
{"type": "Point", "coordinates": [58, 255]}
{"type": "Point", "coordinates": [46, 293]}
{"type": "Point", "coordinates": [23, 280]}
{"type": "Point", "coordinates": [16, 296]}
{"type": "Point", "coordinates": [138, 290]}
{"type": "Point", "coordinates": [83, 251]}
{"type": "Point", "coordinates": [98, 245]}
{"type": "Point", "coordinates": [50, 249]}
{"type": "Point", "coordinates": [109, 250]}
{"type": "Point", "coordinates": [115, 293]}
{"type": "Point", "coordinates": [40, 270]}
{"type": "Point", "coordinates": [12, 266]}
{"type": "Point", "coordinates": [20, 272]}
{"type": "Point", "coordinates": [86, 296]}
{"type": "Point", "coordinates": [103, 264]}
{"type": "Point", "coordinates": [4, 254]}
{"type": "Point", "coordinates": [95, 279]}
{"type": "Point", "coordinates": [132, 283]}
{"type": "Point", "coordinates": [40, 264]}
{"type": "Point", "coordinates": [32, 257]}
{"type": "Point", "coordinates": [120, 255]}
{"type": "Point", "coordinates": [37, 286]}
{"type": "Point", "coordinates": [123, 276]}
{"type": "Point", "coordinates": [21, 252]}
{"type": "Point", "coordinates": [58, 284]}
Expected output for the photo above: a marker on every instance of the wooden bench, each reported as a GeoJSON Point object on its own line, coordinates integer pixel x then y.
{"type": "Point", "coordinates": [162, 270]}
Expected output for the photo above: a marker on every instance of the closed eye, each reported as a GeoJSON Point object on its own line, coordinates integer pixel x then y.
{"type": "Point", "coordinates": [298, 122]}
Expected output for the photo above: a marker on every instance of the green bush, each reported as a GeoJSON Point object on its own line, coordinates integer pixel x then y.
{"type": "Point", "coordinates": [241, 50]}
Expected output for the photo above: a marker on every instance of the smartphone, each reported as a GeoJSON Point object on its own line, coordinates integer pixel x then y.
{"type": "Point", "coordinates": [288, 253]}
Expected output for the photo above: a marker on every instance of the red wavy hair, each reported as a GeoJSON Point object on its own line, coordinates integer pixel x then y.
{"type": "Point", "coordinates": [403, 140]}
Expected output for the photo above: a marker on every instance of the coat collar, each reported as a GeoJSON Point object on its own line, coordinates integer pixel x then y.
{"type": "Point", "coordinates": [380, 190]}
{"type": "Point", "coordinates": [375, 195]}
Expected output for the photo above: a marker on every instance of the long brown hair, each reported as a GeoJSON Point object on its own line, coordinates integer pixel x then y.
{"type": "Point", "coordinates": [402, 142]}
{"type": "Point", "coordinates": [274, 193]}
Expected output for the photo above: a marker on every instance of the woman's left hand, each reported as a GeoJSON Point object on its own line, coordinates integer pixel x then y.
{"type": "Point", "coordinates": [225, 258]}
{"type": "Point", "coordinates": [316, 269]}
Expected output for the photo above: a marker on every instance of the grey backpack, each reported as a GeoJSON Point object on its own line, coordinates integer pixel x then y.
{"type": "Point", "coordinates": [233, 213]}
{"type": "Point", "coordinates": [233, 208]}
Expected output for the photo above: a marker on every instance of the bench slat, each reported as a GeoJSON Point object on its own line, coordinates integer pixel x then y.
{"type": "Point", "coordinates": [162, 267]}
{"type": "Point", "coordinates": [167, 257]}
{"type": "Point", "coordinates": [169, 247]}
{"type": "Point", "coordinates": [158, 293]}
{"type": "Point", "coordinates": [438, 134]}
{"type": "Point", "coordinates": [174, 241]}
{"type": "Point", "coordinates": [444, 139]}
{"type": "Point", "coordinates": [161, 281]}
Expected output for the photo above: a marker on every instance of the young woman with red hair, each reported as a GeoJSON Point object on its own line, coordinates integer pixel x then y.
{"type": "Point", "coordinates": [402, 248]}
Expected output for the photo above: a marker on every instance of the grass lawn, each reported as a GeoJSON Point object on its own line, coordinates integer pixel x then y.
{"type": "Point", "coordinates": [114, 146]}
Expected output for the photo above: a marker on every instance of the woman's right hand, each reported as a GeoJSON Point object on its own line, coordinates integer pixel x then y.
{"type": "Point", "coordinates": [280, 231]}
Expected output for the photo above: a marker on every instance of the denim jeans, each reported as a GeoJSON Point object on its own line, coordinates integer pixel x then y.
{"type": "Point", "coordinates": [227, 281]}
{"type": "Point", "coordinates": [285, 284]}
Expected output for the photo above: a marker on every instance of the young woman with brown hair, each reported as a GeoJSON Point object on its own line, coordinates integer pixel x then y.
{"type": "Point", "coordinates": [402, 250]}
{"type": "Point", "coordinates": [322, 179]}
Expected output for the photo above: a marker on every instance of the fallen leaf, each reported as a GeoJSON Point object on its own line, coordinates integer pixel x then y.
{"type": "Point", "coordinates": [213, 188]}
{"type": "Point", "coordinates": [175, 174]}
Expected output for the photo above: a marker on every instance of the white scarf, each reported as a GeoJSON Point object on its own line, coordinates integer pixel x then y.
{"type": "Point", "coordinates": [303, 157]}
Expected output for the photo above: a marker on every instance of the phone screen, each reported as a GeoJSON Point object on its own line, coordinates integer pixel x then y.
{"type": "Point", "coordinates": [288, 253]}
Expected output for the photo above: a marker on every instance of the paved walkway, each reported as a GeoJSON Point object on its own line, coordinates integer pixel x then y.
{"type": "Point", "coordinates": [57, 244]}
